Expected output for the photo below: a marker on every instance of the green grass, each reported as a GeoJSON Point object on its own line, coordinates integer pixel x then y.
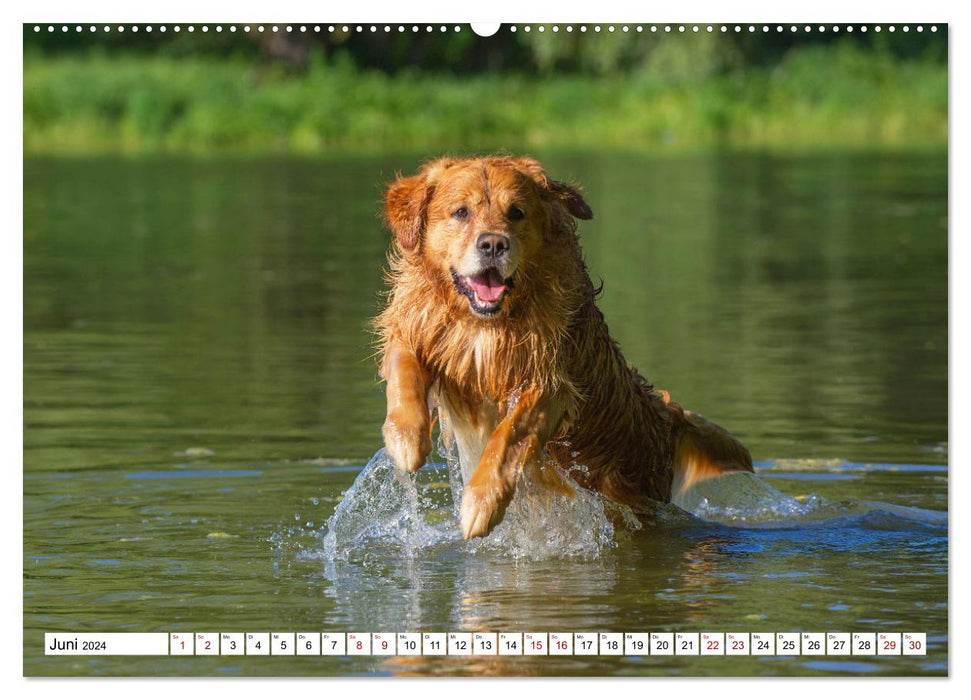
{"type": "Point", "coordinates": [838, 96]}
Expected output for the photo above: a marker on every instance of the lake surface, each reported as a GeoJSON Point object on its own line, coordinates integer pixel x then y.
{"type": "Point", "coordinates": [199, 393]}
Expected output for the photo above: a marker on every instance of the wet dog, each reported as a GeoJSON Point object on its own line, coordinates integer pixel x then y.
{"type": "Point", "coordinates": [491, 322]}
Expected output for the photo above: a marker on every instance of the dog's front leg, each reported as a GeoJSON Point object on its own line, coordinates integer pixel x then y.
{"type": "Point", "coordinates": [515, 441]}
{"type": "Point", "coordinates": [407, 428]}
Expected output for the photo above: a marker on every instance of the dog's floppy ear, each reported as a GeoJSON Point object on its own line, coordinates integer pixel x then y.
{"type": "Point", "coordinates": [572, 198]}
{"type": "Point", "coordinates": [405, 203]}
{"type": "Point", "coordinates": [560, 191]}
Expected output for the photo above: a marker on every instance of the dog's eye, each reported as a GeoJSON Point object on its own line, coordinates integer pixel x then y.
{"type": "Point", "coordinates": [462, 213]}
{"type": "Point", "coordinates": [515, 214]}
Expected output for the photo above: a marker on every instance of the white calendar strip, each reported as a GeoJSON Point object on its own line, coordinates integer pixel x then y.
{"type": "Point", "coordinates": [630, 644]}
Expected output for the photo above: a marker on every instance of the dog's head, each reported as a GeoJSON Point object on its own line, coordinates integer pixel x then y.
{"type": "Point", "coordinates": [480, 223]}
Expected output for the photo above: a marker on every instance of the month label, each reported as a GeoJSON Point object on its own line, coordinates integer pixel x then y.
{"type": "Point", "coordinates": [107, 644]}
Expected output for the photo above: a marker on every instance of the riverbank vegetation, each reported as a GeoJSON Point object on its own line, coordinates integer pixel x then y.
{"type": "Point", "coordinates": [676, 92]}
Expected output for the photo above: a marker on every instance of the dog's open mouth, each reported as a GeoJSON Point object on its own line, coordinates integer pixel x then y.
{"type": "Point", "coordinates": [485, 290]}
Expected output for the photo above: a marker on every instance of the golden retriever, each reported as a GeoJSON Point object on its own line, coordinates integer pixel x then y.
{"type": "Point", "coordinates": [491, 321]}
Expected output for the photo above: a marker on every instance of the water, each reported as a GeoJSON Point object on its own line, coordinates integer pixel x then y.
{"type": "Point", "coordinates": [199, 394]}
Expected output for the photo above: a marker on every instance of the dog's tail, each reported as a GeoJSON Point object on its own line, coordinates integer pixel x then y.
{"type": "Point", "coordinates": [703, 450]}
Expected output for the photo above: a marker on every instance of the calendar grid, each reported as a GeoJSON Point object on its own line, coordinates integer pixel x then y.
{"type": "Point", "coordinates": [378, 644]}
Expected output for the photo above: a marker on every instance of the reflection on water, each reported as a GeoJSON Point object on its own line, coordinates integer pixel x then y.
{"type": "Point", "coordinates": [802, 302]}
{"type": "Point", "coordinates": [199, 393]}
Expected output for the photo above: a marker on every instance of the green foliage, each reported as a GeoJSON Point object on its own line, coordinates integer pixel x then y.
{"type": "Point", "coordinates": [687, 92]}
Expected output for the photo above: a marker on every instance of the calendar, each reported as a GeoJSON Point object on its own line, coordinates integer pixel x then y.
{"type": "Point", "coordinates": [628, 644]}
{"type": "Point", "coordinates": [207, 209]}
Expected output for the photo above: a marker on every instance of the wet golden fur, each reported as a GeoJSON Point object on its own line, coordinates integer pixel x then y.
{"type": "Point", "coordinates": [540, 379]}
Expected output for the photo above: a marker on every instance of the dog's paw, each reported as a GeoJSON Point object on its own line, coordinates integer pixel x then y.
{"type": "Point", "coordinates": [407, 444]}
{"type": "Point", "coordinates": [482, 509]}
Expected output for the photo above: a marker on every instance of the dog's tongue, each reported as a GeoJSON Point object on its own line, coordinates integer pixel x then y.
{"type": "Point", "coordinates": [488, 285]}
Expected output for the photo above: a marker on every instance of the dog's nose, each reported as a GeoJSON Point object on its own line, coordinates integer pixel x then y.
{"type": "Point", "coordinates": [492, 244]}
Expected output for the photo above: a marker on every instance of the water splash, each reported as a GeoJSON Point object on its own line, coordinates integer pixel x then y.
{"type": "Point", "coordinates": [387, 509]}
{"type": "Point", "coordinates": [383, 508]}
{"type": "Point", "coordinates": [742, 499]}
{"type": "Point", "coordinates": [539, 524]}
{"type": "Point", "coordinates": [389, 513]}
